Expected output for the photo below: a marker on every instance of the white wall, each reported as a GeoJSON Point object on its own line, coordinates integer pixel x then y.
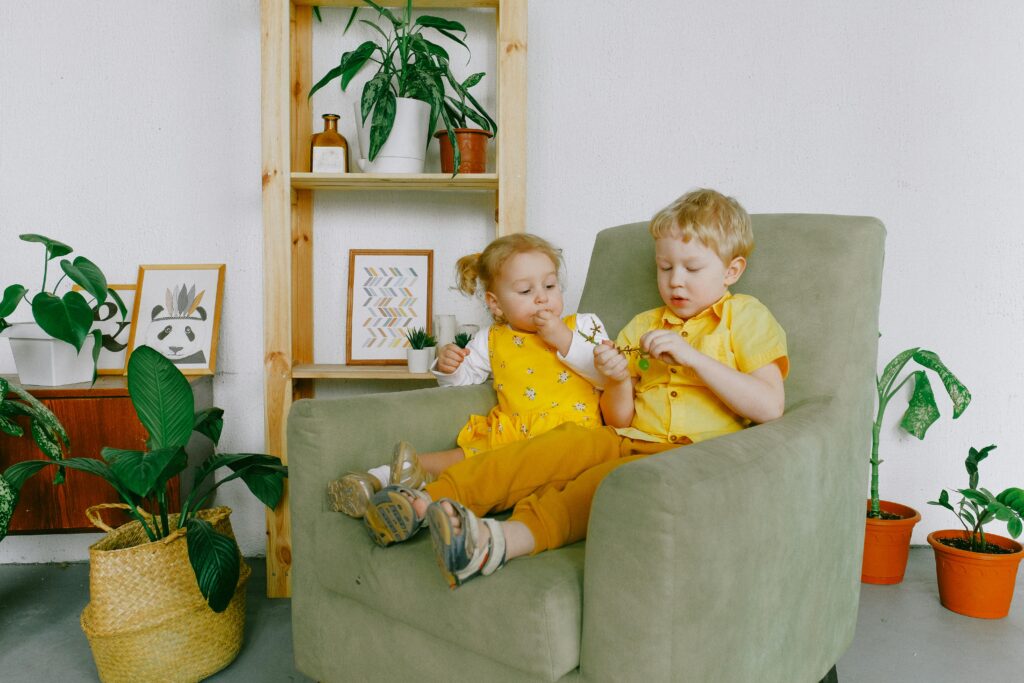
{"type": "Point", "coordinates": [132, 132]}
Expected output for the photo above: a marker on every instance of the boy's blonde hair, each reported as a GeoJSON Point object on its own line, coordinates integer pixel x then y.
{"type": "Point", "coordinates": [480, 271]}
{"type": "Point", "coordinates": [719, 222]}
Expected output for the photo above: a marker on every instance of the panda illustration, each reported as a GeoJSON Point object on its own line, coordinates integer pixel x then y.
{"type": "Point", "coordinates": [177, 329]}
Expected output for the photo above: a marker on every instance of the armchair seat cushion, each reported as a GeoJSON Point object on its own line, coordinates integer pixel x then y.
{"type": "Point", "coordinates": [527, 615]}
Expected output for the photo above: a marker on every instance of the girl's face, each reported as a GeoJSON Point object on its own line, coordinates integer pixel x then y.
{"type": "Point", "coordinates": [691, 276]}
{"type": "Point", "coordinates": [526, 285]}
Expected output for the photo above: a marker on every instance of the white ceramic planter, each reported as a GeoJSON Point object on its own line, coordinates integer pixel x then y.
{"type": "Point", "coordinates": [420, 360]}
{"type": "Point", "coordinates": [44, 361]}
{"type": "Point", "coordinates": [406, 147]}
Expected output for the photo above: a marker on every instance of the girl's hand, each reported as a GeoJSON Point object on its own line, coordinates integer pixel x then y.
{"type": "Point", "coordinates": [611, 362]}
{"type": "Point", "coordinates": [669, 347]}
{"type": "Point", "coordinates": [450, 358]}
{"type": "Point", "coordinates": [553, 331]}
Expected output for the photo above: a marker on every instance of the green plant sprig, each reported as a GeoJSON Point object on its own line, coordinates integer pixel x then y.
{"type": "Point", "coordinates": [921, 410]}
{"type": "Point", "coordinates": [419, 339]}
{"type": "Point", "coordinates": [462, 339]}
{"type": "Point", "coordinates": [979, 506]}
{"type": "Point", "coordinates": [627, 351]}
{"type": "Point", "coordinates": [165, 406]}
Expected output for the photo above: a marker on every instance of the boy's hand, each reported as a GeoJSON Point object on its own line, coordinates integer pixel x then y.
{"type": "Point", "coordinates": [669, 347]}
{"type": "Point", "coordinates": [450, 358]}
{"type": "Point", "coordinates": [553, 331]}
{"type": "Point", "coordinates": [611, 362]}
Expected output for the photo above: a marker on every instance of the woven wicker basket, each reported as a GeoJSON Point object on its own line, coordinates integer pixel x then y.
{"type": "Point", "coordinates": [146, 619]}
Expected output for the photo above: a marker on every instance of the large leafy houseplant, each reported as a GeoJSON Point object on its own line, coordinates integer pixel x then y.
{"type": "Point", "coordinates": [165, 406]}
{"type": "Point", "coordinates": [921, 410]}
{"type": "Point", "coordinates": [410, 65]}
{"type": "Point", "coordinates": [68, 317]}
{"type": "Point", "coordinates": [979, 506]}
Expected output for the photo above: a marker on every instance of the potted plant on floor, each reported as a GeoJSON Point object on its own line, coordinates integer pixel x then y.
{"type": "Point", "coordinates": [889, 524]}
{"type": "Point", "coordinates": [420, 353]}
{"type": "Point", "coordinates": [407, 94]}
{"type": "Point", "coordinates": [167, 591]}
{"type": "Point", "coordinates": [977, 571]}
{"type": "Point", "coordinates": [58, 348]}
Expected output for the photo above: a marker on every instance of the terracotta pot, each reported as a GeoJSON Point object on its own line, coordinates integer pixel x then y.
{"type": "Point", "coordinates": [886, 544]}
{"type": "Point", "coordinates": [975, 584]}
{"type": "Point", "coordinates": [472, 144]}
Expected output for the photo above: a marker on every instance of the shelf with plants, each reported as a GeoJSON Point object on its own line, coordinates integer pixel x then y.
{"type": "Point", "coordinates": [291, 371]}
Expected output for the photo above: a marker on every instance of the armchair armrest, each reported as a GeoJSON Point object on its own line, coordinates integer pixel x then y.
{"type": "Point", "coordinates": [766, 524]}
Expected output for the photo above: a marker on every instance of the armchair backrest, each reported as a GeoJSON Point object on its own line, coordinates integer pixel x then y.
{"type": "Point", "coordinates": [820, 275]}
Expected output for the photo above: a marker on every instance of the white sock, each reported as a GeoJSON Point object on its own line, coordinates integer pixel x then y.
{"type": "Point", "coordinates": [382, 474]}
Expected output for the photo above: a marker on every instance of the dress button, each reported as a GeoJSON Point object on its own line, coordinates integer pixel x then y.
{"type": "Point", "coordinates": [673, 370]}
{"type": "Point", "coordinates": [673, 438]}
{"type": "Point", "coordinates": [685, 333]}
{"type": "Point", "coordinates": [674, 394]}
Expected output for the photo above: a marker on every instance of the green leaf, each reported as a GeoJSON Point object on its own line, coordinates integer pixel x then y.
{"type": "Point", "coordinates": [958, 393]}
{"type": "Point", "coordinates": [140, 471]}
{"type": "Point", "coordinates": [372, 91]}
{"type": "Point", "coordinates": [116, 298]}
{"type": "Point", "coordinates": [10, 427]}
{"type": "Point", "coordinates": [893, 369]}
{"type": "Point", "coordinates": [373, 26]}
{"type": "Point", "coordinates": [209, 423]}
{"type": "Point", "coordinates": [46, 441]}
{"type": "Point", "coordinates": [316, 13]}
{"type": "Point", "coordinates": [1014, 526]}
{"type": "Point", "coordinates": [215, 561]}
{"type": "Point", "coordinates": [162, 398]}
{"type": "Point", "coordinates": [8, 500]}
{"type": "Point", "coordinates": [383, 121]}
{"type": "Point", "coordinates": [328, 77]}
{"type": "Point", "coordinates": [439, 23]}
{"type": "Point", "coordinates": [921, 412]}
{"type": "Point", "coordinates": [263, 474]}
{"type": "Point", "coordinates": [54, 249]}
{"type": "Point", "coordinates": [17, 474]}
{"type": "Point", "coordinates": [39, 412]}
{"type": "Point", "coordinates": [943, 500]}
{"type": "Point", "coordinates": [351, 18]}
{"type": "Point", "coordinates": [353, 62]}
{"type": "Point", "coordinates": [88, 276]}
{"type": "Point", "coordinates": [976, 496]}
{"type": "Point", "coordinates": [968, 517]}
{"type": "Point", "coordinates": [1013, 497]}
{"type": "Point", "coordinates": [12, 297]}
{"type": "Point", "coordinates": [473, 80]}
{"type": "Point", "coordinates": [68, 318]}
{"type": "Point", "coordinates": [974, 457]}
{"type": "Point", "coordinates": [385, 12]}
{"type": "Point", "coordinates": [434, 49]}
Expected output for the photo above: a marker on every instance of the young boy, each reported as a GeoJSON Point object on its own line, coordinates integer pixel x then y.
{"type": "Point", "coordinates": [705, 364]}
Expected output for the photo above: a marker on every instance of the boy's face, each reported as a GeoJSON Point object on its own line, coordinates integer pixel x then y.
{"type": "Point", "coordinates": [691, 276]}
{"type": "Point", "coordinates": [526, 285]}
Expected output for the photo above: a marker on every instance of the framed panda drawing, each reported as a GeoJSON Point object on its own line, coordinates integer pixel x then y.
{"type": "Point", "coordinates": [177, 312]}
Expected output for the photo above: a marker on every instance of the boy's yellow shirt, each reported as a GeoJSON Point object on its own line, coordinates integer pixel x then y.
{"type": "Point", "coordinates": [672, 404]}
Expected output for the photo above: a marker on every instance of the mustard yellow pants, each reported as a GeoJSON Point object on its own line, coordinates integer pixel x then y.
{"type": "Point", "coordinates": [548, 481]}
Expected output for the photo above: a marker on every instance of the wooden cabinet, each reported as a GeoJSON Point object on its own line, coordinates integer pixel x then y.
{"type": "Point", "coordinates": [94, 417]}
{"type": "Point", "coordinates": [288, 246]}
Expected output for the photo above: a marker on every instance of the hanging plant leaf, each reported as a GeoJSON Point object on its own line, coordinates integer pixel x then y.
{"type": "Point", "coordinates": [68, 318]}
{"type": "Point", "coordinates": [921, 412]}
{"type": "Point", "coordinates": [214, 559]}
{"type": "Point", "coordinates": [88, 276]}
{"type": "Point", "coordinates": [958, 393]}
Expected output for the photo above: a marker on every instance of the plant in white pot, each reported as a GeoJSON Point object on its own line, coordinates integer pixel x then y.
{"type": "Point", "coordinates": [407, 94]}
{"type": "Point", "coordinates": [58, 348]}
{"type": "Point", "coordinates": [167, 591]}
{"type": "Point", "coordinates": [889, 524]}
{"type": "Point", "coordinates": [421, 349]}
{"type": "Point", "coordinates": [976, 571]}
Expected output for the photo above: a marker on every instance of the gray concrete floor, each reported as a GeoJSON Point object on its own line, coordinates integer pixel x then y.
{"type": "Point", "coordinates": [903, 633]}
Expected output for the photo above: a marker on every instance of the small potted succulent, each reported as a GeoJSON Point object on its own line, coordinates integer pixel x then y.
{"type": "Point", "coordinates": [889, 524]}
{"type": "Point", "coordinates": [421, 349]}
{"type": "Point", "coordinates": [59, 347]}
{"type": "Point", "coordinates": [977, 571]}
{"type": "Point", "coordinates": [402, 102]}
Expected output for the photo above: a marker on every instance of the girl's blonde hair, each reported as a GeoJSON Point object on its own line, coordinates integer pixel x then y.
{"type": "Point", "coordinates": [478, 272]}
{"type": "Point", "coordinates": [719, 222]}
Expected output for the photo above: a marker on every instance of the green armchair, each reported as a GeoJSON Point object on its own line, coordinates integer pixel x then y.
{"type": "Point", "coordinates": [736, 559]}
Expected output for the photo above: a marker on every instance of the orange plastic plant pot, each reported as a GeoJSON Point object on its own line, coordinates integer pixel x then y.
{"type": "Point", "coordinates": [472, 144]}
{"type": "Point", "coordinates": [887, 543]}
{"type": "Point", "coordinates": [975, 584]}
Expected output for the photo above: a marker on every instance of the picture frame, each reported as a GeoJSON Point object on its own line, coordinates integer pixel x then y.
{"type": "Point", "coordinates": [389, 292]}
{"type": "Point", "coordinates": [177, 312]}
{"type": "Point", "coordinates": [117, 335]}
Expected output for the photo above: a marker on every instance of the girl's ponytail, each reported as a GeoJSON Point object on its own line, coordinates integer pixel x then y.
{"type": "Point", "coordinates": [467, 270]}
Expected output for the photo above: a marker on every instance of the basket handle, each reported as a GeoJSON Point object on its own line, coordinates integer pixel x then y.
{"type": "Point", "coordinates": [93, 513]}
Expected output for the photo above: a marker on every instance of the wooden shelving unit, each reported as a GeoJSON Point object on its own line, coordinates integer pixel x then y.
{"type": "Point", "coordinates": [290, 370]}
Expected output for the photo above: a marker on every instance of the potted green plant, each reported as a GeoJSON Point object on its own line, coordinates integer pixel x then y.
{"type": "Point", "coordinates": [976, 571]}
{"type": "Point", "coordinates": [464, 149]}
{"type": "Point", "coordinates": [889, 524]}
{"type": "Point", "coordinates": [407, 94]}
{"type": "Point", "coordinates": [421, 349]}
{"type": "Point", "coordinates": [59, 347]}
{"type": "Point", "coordinates": [165, 577]}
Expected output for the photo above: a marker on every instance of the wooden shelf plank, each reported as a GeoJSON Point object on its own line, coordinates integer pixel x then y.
{"type": "Point", "coordinates": [328, 371]}
{"type": "Point", "coordinates": [467, 182]}
{"type": "Point", "coordinates": [418, 4]}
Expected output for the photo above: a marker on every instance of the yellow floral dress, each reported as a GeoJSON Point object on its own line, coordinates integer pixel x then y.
{"type": "Point", "coordinates": [536, 392]}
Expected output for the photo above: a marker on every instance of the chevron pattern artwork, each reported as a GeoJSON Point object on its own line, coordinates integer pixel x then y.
{"type": "Point", "coordinates": [389, 294]}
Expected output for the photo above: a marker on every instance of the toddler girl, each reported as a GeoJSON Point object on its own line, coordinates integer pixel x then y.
{"type": "Point", "coordinates": [543, 369]}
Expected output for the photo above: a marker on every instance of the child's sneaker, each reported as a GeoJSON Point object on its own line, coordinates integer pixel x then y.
{"type": "Point", "coordinates": [407, 464]}
{"type": "Point", "coordinates": [352, 493]}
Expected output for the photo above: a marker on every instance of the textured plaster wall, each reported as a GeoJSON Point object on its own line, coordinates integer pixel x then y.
{"type": "Point", "coordinates": [132, 132]}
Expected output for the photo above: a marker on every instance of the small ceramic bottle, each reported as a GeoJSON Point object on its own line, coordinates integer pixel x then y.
{"type": "Point", "coordinates": [328, 151]}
